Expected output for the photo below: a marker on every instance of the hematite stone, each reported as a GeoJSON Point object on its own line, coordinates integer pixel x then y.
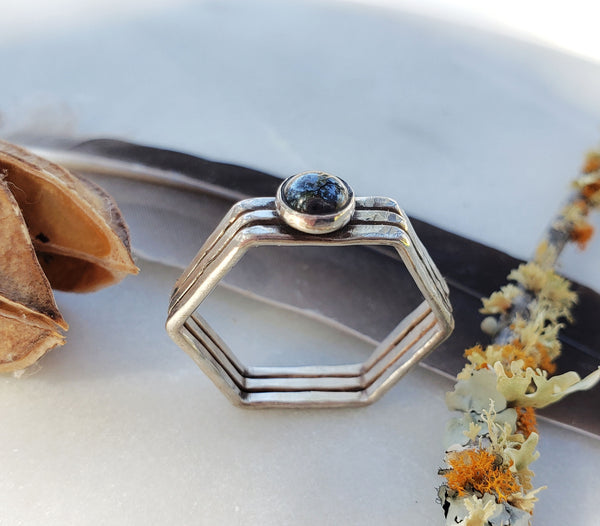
{"type": "Point", "coordinates": [316, 194]}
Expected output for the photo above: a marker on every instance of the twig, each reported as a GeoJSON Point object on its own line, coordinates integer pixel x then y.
{"type": "Point", "coordinates": [493, 441]}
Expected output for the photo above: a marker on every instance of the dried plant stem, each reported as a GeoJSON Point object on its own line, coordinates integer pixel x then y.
{"type": "Point", "coordinates": [493, 441]}
{"type": "Point", "coordinates": [570, 221]}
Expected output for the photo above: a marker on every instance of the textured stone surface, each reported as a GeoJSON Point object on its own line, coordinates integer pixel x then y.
{"type": "Point", "coordinates": [315, 193]}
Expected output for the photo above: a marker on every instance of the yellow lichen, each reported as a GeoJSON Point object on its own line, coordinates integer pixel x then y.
{"type": "Point", "coordinates": [545, 254]}
{"type": "Point", "coordinates": [534, 332]}
{"type": "Point", "coordinates": [530, 275]}
{"type": "Point", "coordinates": [553, 292]}
{"type": "Point", "coordinates": [500, 301]}
{"type": "Point", "coordinates": [558, 292]}
{"type": "Point", "coordinates": [573, 213]}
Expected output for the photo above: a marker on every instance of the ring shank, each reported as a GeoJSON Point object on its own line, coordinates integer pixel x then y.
{"type": "Point", "coordinates": [255, 222]}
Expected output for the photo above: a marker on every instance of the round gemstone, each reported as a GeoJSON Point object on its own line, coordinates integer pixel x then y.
{"type": "Point", "coordinates": [316, 193]}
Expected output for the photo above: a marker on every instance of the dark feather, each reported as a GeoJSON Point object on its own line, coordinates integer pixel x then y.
{"type": "Point", "coordinates": [374, 294]}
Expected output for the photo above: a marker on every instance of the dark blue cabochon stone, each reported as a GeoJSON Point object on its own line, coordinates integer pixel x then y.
{"type": "Point", "coordinates": [316, 194]}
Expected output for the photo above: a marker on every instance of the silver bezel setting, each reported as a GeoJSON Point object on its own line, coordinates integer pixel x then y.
{"type": "Point", "coordinates": [256, 222]}
{"type": "Point", "coordinates": [314, 223]}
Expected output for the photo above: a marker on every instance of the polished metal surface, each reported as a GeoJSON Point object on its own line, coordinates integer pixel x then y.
{"type": "Point", "coordinates": [257, 222]}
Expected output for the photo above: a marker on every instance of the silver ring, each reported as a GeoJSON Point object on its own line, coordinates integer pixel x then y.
{"type": "Point", "coordinates": [312, 208]}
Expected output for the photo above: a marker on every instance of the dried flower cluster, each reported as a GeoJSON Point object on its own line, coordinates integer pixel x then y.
{"type": "Point", "coordinates": [492, 442]}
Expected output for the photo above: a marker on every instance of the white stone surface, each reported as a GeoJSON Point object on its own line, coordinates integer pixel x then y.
{"type": "Point", "coordinates": [473, 132]}
{"type": "Point", "coordinates": [120, 427]}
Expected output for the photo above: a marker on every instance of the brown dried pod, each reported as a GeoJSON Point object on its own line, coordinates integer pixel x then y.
{"type": "Point", "coordinates": [77, 230]}
{"type": "Point", "coordinates": [29, 317]}
{"type": "Point", "coordinates": [55, 230]}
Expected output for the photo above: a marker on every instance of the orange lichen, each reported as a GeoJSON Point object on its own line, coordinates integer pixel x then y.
{"type": "Point", "coordinates": [582, 233]}
{"type": "Point", "coordinates": [514, 351]}
{"type": "Point", "coordinates": [476, 349]}
{"type": "Point", "coordinates": [536, 357]}
{"type": "Point", "coordinates": [544, 361]}
{"type": "Point", "coordinates": [478, 470]}
{"type": "Point", "coordinates": [477, 352]}
{"type": "Point", "coordinates": [526, 421]}
{"type": "Point", "coordinates": [592, 163]}
{"type": "Point", "coordinates": [589, 190]}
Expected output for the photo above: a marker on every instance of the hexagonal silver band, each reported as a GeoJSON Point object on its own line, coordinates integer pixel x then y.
{"type": "Point", "coordinates": [255, 222]}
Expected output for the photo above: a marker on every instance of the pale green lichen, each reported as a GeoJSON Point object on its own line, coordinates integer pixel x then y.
{"type": "Point", "coordinates": [473, 432]}
{"type": "Point", "coordinates": [466, 509]}
{"type": "Point", "coordinates": [456, 437]}
{"type": "Point", "coordinates": [499, 434]}
{"type": "Point", "coordinates": [480, 511]}
{"type": "Point", "coordinates": [533, 388]}
{"type": "Point", "coordinates": [522, 454]}
{"type": "Point", "coordinates": [526, 502]}
{"type": "Point", "coordinates": [475, 392]}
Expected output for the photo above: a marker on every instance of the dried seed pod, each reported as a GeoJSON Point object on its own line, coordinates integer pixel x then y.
{"type": "Point", "coordinates": [77, 230]}
{"type": "Point", "coordinates": [29, 317]}
{"type": "Point", "coordinates": [56, 230]}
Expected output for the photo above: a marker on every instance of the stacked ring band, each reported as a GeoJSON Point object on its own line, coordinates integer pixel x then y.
{"type": "Point", "coordinates": [312, 208]}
